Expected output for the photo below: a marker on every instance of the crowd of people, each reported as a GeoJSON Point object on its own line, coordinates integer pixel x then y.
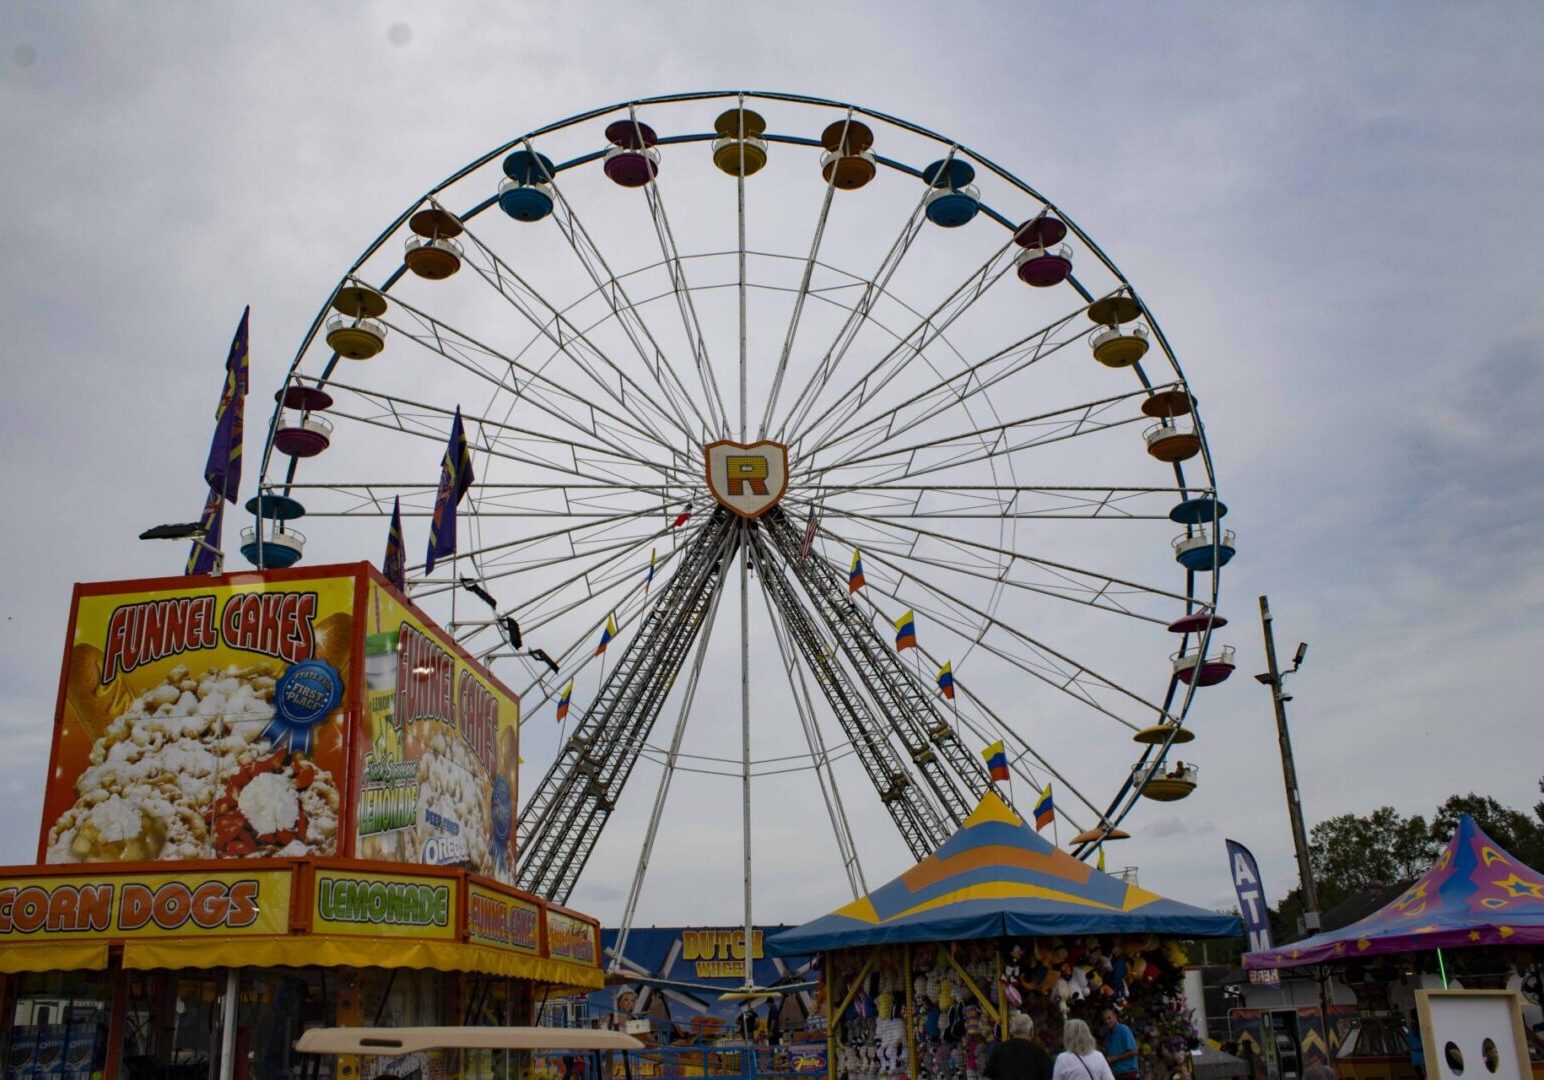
{"type": "Point", "coordinates": [1083, 1057]}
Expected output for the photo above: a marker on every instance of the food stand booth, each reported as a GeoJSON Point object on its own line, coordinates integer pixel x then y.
{"type": "Point", "coordinates": [276, 800]}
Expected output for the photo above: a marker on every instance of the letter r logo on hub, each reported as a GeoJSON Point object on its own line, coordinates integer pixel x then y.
{"type": "Point", "coordinates": [743, 469]}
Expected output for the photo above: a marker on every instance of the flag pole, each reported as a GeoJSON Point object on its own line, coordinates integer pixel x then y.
{"type": "Point", "coordinates": [1055, 825]}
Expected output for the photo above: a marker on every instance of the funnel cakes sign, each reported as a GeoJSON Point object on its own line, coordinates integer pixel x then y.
{"type": "Point", "coordinates": [201, 720]}
{"type": "Point", "coordinates": [283, 713]}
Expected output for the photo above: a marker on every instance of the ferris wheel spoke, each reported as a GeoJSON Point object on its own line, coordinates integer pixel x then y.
{"type": "Point", "coordinates": [1042, 501]}
{"type": "Point", "coordinates": [633, 602]}
{"type": "Point", "coordinates": [683, 293]}
{"type": "Point", "coordinates": [879, 375]}
{"type": "Point", "coordinates": [576, 345]}
{"type": "Point", "coordinates": [873, 289]}
{"type": "Point", "coordinates": [598, 578]}
{"type": "Point", "coordinates": [955, 776]}
{"type": "Point", "coordinates": [615, 294]}
{"type": "Point", "coordinates": [1022, 748]}
{"type": "Point", "coordinates": [670, 764]}
{"type": "Point", "coordinates": [569, 536]}
{"type": "Point", "coordinates": [820, 756]}
{"type": "Point", "coordinates": [460, 349]}
{"type": "Point", "coordinates": [984, 443]}
{"type": "Point", "coordinates": [502, 440]}
{"type": "Point", "coordinates": [911, 806]}
{"type": "Point", "coordinates": [1052, 666]}
{"type": "Point", "coordinates": [798, 305]}
{"type": "Point", "coordinates": [1088, 588]}
{"type": "Point", "coordinates": [596, 584]}
{"type": "Point", "coordinates": [954, 390]}
{"type": "Point", "coordinates": [563, 819]}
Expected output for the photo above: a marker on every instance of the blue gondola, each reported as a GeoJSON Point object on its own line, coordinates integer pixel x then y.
{"type": "Point", "coordinates": [954, 200]}
{"type": "Point", "coordinates": [526, 196]}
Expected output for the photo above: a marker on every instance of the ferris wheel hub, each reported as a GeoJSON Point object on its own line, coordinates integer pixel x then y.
{"type": "Point", "coordinates": [747, 479]}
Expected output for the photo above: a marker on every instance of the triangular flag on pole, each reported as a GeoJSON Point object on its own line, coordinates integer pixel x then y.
{"type": "Point", "coordinates": [455, 478]}
{"type": "Point", "coordinates": [394, 564]}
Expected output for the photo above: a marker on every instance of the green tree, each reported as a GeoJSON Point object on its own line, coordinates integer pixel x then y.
{"type": "Point", "coordinates": [1351, 852]}
{"type": "Point", "coordinates": [1512, 829]}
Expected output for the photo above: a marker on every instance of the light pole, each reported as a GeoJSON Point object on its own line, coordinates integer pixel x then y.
{"type": "Point", "coordinates": [188, 530]}
{"type": "Point", "coordinates": [1273, 679]}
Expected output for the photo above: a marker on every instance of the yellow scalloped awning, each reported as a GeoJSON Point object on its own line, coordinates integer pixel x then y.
{"type": "Point", "coordinates": [321, 951]}
{"type": "Point", "coordinates": [53, 956]}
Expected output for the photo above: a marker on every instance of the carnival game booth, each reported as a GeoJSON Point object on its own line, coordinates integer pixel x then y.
{"type": "Point", "coordinates": [1477, 915]}
{"type": "Point", "coordinates": [275, 800]}
{"type": "Point", "coordinates": [920, 975]}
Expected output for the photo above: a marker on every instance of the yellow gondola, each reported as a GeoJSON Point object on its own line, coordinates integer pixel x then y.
{"type": "Point", "coordinates": [1159, 734]}
{"type": "Point", "coordinates": [1173, 785]}
{"type": "Point", "coordinates": [739, 149]}
{"type": "Point", "coordinates": [1113, 345]}
{"type": "Point", "coordinates": [354, 332]}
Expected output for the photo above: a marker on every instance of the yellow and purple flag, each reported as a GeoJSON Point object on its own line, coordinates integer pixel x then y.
{"type": "Point", "coordinates": [394, 565]}
{"type": "Point", "coordinates": [997, 761]}
{"type": "Point", "coordinates": [649, 581]}
{"type": "Point", "coordinates": [607, 634]}
{"type": "Point", "coordinates": [455, 478]}
{"type": "Point", "coordinates": [906, 632]}
{"type": "Point", "coordinates": [203, 555]}
{"type": "Point", "coordinates": [222, 469]}
{"type": "Point", "coordinates": [563, 700]}
{"type": "Point", "coordinates": [855, 573]}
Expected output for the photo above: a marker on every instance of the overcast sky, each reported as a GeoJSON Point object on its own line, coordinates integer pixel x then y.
{"type": "Point", "coordinates": [1333, 207]}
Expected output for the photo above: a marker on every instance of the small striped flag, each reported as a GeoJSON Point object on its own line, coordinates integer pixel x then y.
{"type": "Point", "coordinates": [855, 573]}
{"type": "Point", "coordinates": [946, 679]}
{"type": "Point", "coordinates": [997, 761]}
{"type": "Point", "coordinates": [1045, 809]}
{"type": "Point", "coordinates": [607, 634]}
{"type": "Point", "coordinates": [649, 581]}
{"type": "Point", "coordinates": [906, 632]}
{"type": "Point", "coordinates": [568, 693]}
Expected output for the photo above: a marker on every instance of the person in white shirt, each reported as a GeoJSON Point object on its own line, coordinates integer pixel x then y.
{"type": "Point", "coordinates": [1080, 1058]}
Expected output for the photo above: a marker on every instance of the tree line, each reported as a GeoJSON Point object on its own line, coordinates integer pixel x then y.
{"type": "Point", "coordinates": [1355, 852]}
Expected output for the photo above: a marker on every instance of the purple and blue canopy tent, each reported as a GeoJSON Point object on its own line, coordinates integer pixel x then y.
{"type": "Point", "coordinates": [1476, 894]}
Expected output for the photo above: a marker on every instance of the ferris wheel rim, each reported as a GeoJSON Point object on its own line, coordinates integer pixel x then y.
{"type": "Point", "coordinates": [1187, 693]}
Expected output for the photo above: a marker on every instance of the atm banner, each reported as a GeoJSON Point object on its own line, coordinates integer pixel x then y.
{"type": "Point", "coordinates": [144, 905]}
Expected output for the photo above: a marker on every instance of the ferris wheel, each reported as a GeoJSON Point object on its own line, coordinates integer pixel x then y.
{"type": "Point", "coordinates": [762, 389]}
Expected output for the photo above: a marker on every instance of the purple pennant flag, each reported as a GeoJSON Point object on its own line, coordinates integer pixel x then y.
{"type": "Point", "coordinates": [223, 468]}
{"type": "Point", "coordinates": [201, 556]}
{"type": "Point", "coordinates": [455, 478]}
{"type": "Point", "coordinates": [394, 565]}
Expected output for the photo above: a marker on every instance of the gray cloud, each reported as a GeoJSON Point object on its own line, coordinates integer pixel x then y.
{"type": "Point", "coordinates": [1332, 211]}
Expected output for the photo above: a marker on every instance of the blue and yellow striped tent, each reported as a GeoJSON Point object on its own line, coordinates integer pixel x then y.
{"type": "Point", "coordinates": [997, 877]}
